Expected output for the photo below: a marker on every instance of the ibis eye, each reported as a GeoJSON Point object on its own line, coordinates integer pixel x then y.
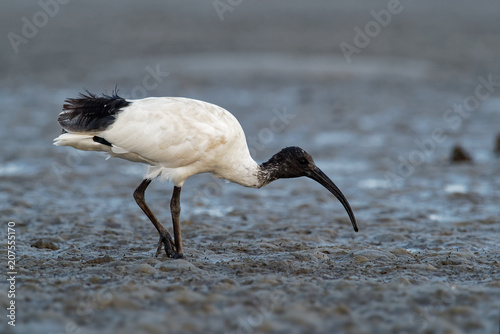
{"type": "Point", "coordinates": [303, 161]}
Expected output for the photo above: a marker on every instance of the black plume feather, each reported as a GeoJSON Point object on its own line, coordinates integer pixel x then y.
{"type": "Point", "coordinates": [90, 112]}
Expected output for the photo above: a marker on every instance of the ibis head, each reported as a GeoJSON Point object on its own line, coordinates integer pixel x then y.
{"type": "Point", "coordinates": [292, 162]}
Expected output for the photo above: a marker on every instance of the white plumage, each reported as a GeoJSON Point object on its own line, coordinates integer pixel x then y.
{"type": "Point", "coordinates": [178, 137]}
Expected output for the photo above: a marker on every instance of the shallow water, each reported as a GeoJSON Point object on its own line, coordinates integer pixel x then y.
{"type": "Point", "coordinates": [282, 259]}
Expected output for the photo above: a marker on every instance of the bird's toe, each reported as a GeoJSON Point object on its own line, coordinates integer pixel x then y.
{"type": "Point", "coordinates": [166, 241]}
{"type": "Point", "coordinates": [178, 255]}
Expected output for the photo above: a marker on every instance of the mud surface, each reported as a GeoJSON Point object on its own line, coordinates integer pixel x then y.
{"type": "Point", "coordinates": [282, 259]}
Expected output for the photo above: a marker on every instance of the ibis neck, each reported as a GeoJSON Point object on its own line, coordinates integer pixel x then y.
{"type": "Point", "coordinates": [246, 172]}
{"type": "Point", "coordinates": [249, 173]}
{"type": "Point", "coordinates": [267, 172]}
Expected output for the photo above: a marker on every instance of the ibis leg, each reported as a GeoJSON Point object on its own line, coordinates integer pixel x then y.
{"type": "Point", "coordinates": [175, 210]}
{"type": "Point", "coordinates": [165, 238]}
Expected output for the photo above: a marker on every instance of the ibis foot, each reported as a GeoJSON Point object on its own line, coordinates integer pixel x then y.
{"type": "Point", "coordinates": [177, 256]}
{"type": "Point", "coordinates": [166, 240]}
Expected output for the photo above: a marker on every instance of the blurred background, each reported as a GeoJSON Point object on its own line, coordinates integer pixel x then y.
{"type": "Point", "coordinates": [348, 65]}
{"type": "Point", "coordinates": [379, 92]}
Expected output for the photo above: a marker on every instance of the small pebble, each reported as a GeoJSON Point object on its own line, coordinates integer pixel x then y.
{"type": "Point", "coordinates": [144, 268]}
{"type": "Point", "coordinates": [497, 145]}
{"type": "Point", "coordinates": [41, 244]}
{"type": "Point", "coordinates": [360, 259]}
{"type": "Point", "coordinates": [460, 155]}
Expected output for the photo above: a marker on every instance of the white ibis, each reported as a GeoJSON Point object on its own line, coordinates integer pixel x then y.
{"type": "Point", "coordinates": [178, 137]}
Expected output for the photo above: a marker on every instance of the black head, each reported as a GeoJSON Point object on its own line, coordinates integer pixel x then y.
{"type": "Point", "coordinates": [293, 162]}
{"type": "Point", "coordinates": [290, 162]}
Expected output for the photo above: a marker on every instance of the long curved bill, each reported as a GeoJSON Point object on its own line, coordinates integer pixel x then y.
{"type": "Point", "coordinates": [317, 175]}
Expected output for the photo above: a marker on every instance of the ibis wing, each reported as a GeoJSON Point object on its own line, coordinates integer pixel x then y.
{"type": "Point", "coordinates": [173, 132]}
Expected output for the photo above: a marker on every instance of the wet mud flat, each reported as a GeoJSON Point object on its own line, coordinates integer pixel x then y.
{"type": "Point", "coordinates": [284, 258]}
{"type": "Point", "coordinates": [279, 259]}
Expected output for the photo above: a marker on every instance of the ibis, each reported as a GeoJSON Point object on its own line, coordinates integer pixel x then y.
{"type": "Point", "coordinates": [178, 137]}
